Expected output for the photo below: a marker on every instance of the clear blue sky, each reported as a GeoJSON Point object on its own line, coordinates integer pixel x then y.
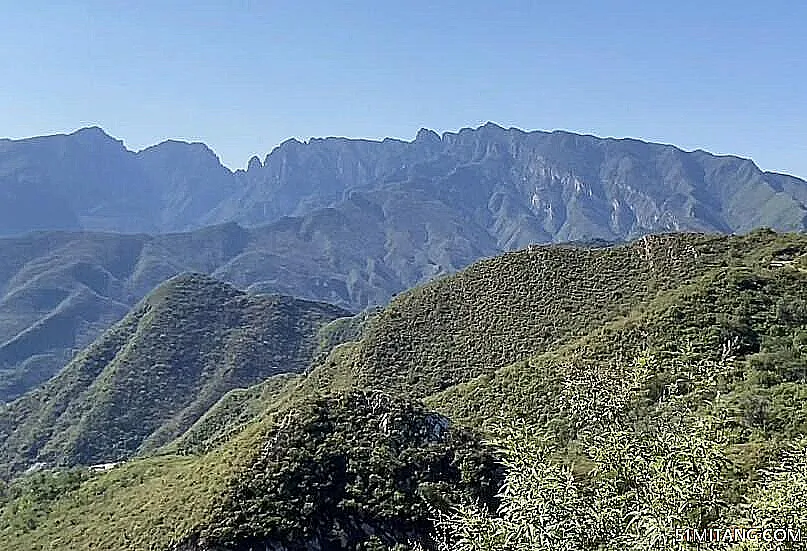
{"type": "Point", "coordinates": [726, 76]}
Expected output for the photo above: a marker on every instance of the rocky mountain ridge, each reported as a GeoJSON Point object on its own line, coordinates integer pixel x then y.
{"type": "Point", "coordinates": [518, 186]}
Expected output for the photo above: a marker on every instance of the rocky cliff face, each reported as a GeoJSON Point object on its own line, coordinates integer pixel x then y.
{"type": "Point", "coordinates": [524, 187]}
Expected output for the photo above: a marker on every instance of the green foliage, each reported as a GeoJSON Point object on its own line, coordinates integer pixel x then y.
{"type": "Point", "coordinates": [150, 503]}
{"type": "Point", "coordinates": [686, 435]}
{"type": "Point", "coordinates": [637, 487]}
{"type": "Point", "coordinates": [778, 500]}
{"type": "Point", "coordinates": [30, 499]}
{"type": "Point", "coordinates": [231, 414]}
{"type": "Point", "coordinates": [363, 469]}
{"type": "Point", "coordinates": [509, 308]}
{"type": "Point", "coordinates": [341, 331]}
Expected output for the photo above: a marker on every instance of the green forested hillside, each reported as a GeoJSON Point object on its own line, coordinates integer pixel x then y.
{"type": "Point", "coordinates": [362, 470]}
{"type": "Point", "coordinates": [359, 470]}
{"type": "Point", "coordinates": [242, 405]}
{"type": "Point", "coordinates": [231, 413]}
{"type": "Point", "coordinates": [627, 391]}
{"type": "Point", "coordinates": [143, 383]}
{"type": "Point", "coordinates": [506, 309]}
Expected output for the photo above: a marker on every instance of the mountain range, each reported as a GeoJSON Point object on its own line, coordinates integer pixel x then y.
{"type": "Point", "coordinates": [519, 187]}
{"type": "Point", "coordinates": [349, 222]}
{"type": "Point", "coordinates": [183, 368]}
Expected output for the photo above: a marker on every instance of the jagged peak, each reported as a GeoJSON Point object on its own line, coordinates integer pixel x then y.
{"type": "Point", "coordinates": [254, 163]}
{"type": "Point", "coordinates": [427, 135]}
{"type": "Point", "coordinates": [490, 125]}
{"type": "Point", "coordinates": [291, 142]}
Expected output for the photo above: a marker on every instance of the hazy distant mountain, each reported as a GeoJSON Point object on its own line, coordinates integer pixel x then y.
{"type": "Point", "coordinates": [60, 290]}
{"type": "Point", "coordinates": [517, 186]}
{"type": "Point", "coordinates": [523, 187]}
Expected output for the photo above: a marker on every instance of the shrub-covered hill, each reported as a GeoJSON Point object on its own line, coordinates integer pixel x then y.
{"type": "Point", "coordinates": [240, 406]}
{"type": "Point", "coordinates": [359, 471]}
{"type": "Point", "coordinates": [750, 324]}
{"type": "Point", "coordinates": [149, 378]}
{"type": "Point", "coordinates": [691, 412]}
{"type": "Point", "coordinates": [232, 413]}
{"type": "Point", "coordinates": [610, 389]}
{"type": "Point", "coordinates": [508, 308]}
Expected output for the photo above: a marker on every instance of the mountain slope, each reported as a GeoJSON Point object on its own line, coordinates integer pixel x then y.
{"type": "Point", "coordinates": [144, 382]}
{"type": "Point", "coordinates": [707, 365]}
{"type": "Point", "coordinates": [88, 180]}
{"type": "Point", "coordinates": [706, 341]}
{"type": "Point", "coordinates": [241, 406]}
{"type": "Point", "coordinates": [373, 470]}
{"type": "Point", "coordinates": [505, 309]}
{"type": "Point", "coordinates": [59, 291]}
{"type": "Point", "coordinates": [366, 458]}
{"type": "Point", "coordinates": [524, 187]}
{"type": "Point", "coordinates": [688, 413]}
